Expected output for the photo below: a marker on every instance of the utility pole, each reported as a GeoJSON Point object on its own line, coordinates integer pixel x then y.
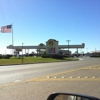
{"type": "Point", "coordinates": [87, 50]}
{"type": "Point", "coordinates": [68, 46]}
{"type": "Point", "coordinates": [22, 53]}
{"type": "Point", "coordinates": [95, 50]}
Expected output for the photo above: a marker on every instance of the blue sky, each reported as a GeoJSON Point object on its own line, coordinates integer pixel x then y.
{"type": "Point", "coordinates": [36, 21]}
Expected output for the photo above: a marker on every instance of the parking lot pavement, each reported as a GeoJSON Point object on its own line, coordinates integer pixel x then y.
{"type": "Point", "coordinates": [83, 80]}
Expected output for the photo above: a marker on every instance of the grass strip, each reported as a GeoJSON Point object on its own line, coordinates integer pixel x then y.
{"type": "Point", "coordinates": [26, 60]}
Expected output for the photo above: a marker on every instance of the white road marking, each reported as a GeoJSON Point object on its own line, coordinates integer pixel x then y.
{"type": "Point", "coordinates": [18, 81]}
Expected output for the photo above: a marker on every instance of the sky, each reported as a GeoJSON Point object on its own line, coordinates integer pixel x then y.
{"type": "Point", "coordinates": [37, 21]}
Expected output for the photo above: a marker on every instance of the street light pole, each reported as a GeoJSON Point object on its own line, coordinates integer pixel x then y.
{"type": "Point", "coordinates": [68, 46]}
{"type": "Point", "coordinates": [95, 49]}
{"type": "Point", "coordinates": [87, 50]}
{"type": "Point", "coordinates": [22, 53]}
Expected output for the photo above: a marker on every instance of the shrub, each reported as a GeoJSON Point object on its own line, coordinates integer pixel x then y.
{"type": "Point", "coordinates": [45, 56]}
{"type": "Point", "coordinates": [6, 56]}
{"type": "Point", "coordinates": [0, 56]}
{"type": "Point", "coordinates": [57, 56]}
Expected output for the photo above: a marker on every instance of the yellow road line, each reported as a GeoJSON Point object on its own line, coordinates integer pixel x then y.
{"type": "Point", "coordinates": [59, 73]}
{"type": "Point", "coordinates": [67, 79]}
{"type": "Point", "coordinates": [11, 84]}
{"type": "Point", "coordinates": [48, 77]}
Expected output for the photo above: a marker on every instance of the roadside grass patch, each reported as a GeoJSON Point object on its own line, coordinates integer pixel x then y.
{"type": "Point", "coordinates": [26, 60]}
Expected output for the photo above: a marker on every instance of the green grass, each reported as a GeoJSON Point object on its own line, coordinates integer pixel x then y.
{"type": "Point", "coordinates": [14, 60]}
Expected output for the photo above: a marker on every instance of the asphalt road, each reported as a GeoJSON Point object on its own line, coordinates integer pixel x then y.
{"type": "Point", "coordinates": [15, 73]}
{"type": "Point", "coordinates": [37, 81]}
